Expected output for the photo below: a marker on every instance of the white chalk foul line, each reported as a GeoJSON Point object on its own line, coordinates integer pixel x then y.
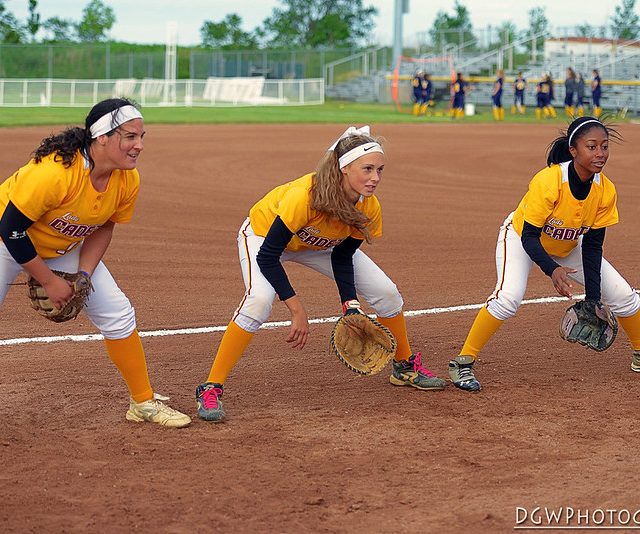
{"type": "Point", "coordinates": [275, 324]}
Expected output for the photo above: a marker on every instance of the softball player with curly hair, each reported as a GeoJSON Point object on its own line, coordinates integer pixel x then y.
{"type": "Point", "coordinates": [319, 220]}
{"type": "Point", "coordinates": [59, 212]}
{"type": "Point", "coordinates": [560, 226]}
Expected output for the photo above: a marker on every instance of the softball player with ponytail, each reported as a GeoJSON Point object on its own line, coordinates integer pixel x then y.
{"type": "Point", "coordinates": [560, 226]}
{"type": "Point", "coordinates": [319, 220]}
{"type": "Point", "coordinates": [59, 212]}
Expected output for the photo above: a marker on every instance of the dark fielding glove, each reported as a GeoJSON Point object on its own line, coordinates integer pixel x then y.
{"type": "Point", "coordinates": [40, 301]}
{"type": "Point", "coordinates": [360, 342]}
{"type": "Point", "coordinates": [590, 323]}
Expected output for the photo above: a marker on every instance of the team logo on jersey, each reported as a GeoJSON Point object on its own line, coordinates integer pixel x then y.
{"type": "Point", "coordinates": [308, 235]}
{"type": "Point", "coordinates": [563, 234]}
{"type": "Point", "coordinates": [69, 226]}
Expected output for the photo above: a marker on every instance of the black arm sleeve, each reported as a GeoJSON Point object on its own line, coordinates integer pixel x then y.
{"type": "Point", "coordinates": [592, 261]}
{"type": "Point", "coordinates": [342, 265]}
{"type": "Point", "coordinates": [268, 258]}
{"type": "Point", "coordinates": [13, 231]}
{"type": "Point", "coordinates": [532, 246]}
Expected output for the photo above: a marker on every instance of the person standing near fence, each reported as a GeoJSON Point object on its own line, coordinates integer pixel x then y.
{"type": "Point", "coordinates": [579, 94]}
{"type": "Point", "coordinates": [569, 90]}
{"type": "Point", "coordinates": [596, 93]}
{"type": "Point", "coordinates": [416, 88]}
{"type": "Point", "coordinates": [427, 93]}
{"type": "Point", "coordinates": [458, 91]}
{"type": "Point", "coordinates": [519, 87]}
{"type": "Point", "coordinates": [542, 98]}
{"type": "Point", "coordinates": [550, 108]}
{"type": "Point", "coordinates": [496, 96]}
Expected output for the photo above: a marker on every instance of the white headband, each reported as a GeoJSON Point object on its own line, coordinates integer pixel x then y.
{"type": "Point", "coordinates": [113, 119]}
{"type": "Point", "coordinates": [358, 151]}
{"type": "Point", "coordinates": [580, 126]}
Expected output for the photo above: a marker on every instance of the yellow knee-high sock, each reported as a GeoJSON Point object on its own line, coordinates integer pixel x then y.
{"type": "Point", "coordinates": [233, 344]}
{"type": "Point", "coordinates": [513, 109]}
{"type": "Point", "coordinates": [538, 113]}
{"type": "Point", "coordinates": [416, 109]}
{"type": "Point", "coordinates": [423, 109]}
{"type": "Point", "coordinates": [597, 111]}
{"type": "Point", "coordinates": [460, 113]}
{"type": "Point", "coordinates": [496, 113]}
{"type": "Point", "coordinates": [552, 111]}
{"type": "Point", "coordinates": [484, 326]}
{"type": "Point", "coordinates": [501, 113]}
{"type": "Point", "coordinates": [128, 356]}
{"type": "Point", "coordinates": [631, 326]}
{"type": "Point", "coordinates": [398, 328]}
{"type": "Point", "coordinates": [523, 110]}
{"type": "Point", "coordinates": [580, 111]}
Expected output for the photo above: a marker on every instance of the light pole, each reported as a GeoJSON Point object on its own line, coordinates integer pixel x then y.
{"type": "Point", "coordinates": [400, 7]}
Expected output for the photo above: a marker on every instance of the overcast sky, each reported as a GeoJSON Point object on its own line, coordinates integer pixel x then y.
{"type": "Point", "coordinates": [145, 21]}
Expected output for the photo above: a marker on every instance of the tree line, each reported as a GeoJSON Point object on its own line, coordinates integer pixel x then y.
{"type": "Point", "coordinates": [309, 24]}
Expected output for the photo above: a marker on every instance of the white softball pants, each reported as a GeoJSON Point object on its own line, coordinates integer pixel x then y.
{"type": "Point", "coordinates": [108, 308]}
{"type": "Point", "coordinates": [513, 265]}
{"type": "Point", "coordinates": [375, 287]}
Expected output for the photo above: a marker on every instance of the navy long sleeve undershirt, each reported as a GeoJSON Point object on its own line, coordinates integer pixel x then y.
{"type": "Point", "coordinates": [274, 244]}
{"type": "Point", "coordinates": [342, 264]}
{"type": "Point", "coordinates": [268, 258]}
{"type": "Point", "coordinates": [13, 231]}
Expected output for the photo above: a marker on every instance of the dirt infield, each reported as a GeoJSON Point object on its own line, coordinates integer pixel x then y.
{"type": "Point", "coordinates": [308, 446]}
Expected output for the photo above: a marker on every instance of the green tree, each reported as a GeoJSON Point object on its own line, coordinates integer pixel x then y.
{"type": "Point", "coordinates": [538, 24]}
{"type": "Point", "coordinates": [319, 23]}
{"type": "Point", "coordinates": [226, 34]}
{"type": "Point", "coordinates": [453, 29]}
{"type": "Point", "coordinates": [11, 31]}
{"type": "Point", "coordinates": [585, 30]}
{"type": "Point", "coordinates": [33, 21]}
{"type": "Point", "coordinates": [97, 19]}
{"type": "Point", "coordinates": [59, 30]}
{"type": "Point", "coordinates": [624, 23]}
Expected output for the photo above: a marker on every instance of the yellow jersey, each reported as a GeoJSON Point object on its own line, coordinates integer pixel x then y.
{"type": "Point", "coordinates": [549, 204]}
{"type": "Point", "coordinates": [311, 228]}
{"type": "Point", "coordinates": [63, 203]}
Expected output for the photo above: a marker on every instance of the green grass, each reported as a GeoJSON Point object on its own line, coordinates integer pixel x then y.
{"type": "Point", "coordinates": [330, 112]}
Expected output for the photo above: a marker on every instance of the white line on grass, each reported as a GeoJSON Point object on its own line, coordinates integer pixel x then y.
{"type": "Point", "coordinates": [275, 324]}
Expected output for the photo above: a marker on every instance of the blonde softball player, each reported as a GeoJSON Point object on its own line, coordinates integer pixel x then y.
{"type": "Point", "coordinates": [319, 220]}
{"type": "Point", "coordinates": [59, 211]}
{"type": "Point", "coordinates": [560, 226]}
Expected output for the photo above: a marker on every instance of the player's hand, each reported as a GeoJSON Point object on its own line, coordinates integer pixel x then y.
{"type": "Point", "coordinates": [59, 290]}
{"type": "Point", "coordinates": [299, 331]}
{"type": "Point", "coordinates": [562, 282]}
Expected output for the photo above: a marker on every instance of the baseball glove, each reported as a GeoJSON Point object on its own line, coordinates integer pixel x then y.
{"type": "Point", "coordinates": [590, 323]}
{"type": "Point", "coordinates": [40, 301]}
{"type": "Point", "coordinates": [362, 343]}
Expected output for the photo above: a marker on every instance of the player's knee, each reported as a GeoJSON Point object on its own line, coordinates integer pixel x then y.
{"type": "Point", "coordinates": [387, 302]}
{"type": "Point", "coordinates": [627, 306]}
{"type": "Point", "coordinates": [247, 323]}
{"type": "Point", "coordinates": [256, 309]}
{"type": "Point", "coordinates": [503, 307]}
{"type": "Point", "coordinates": [117, 324]}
